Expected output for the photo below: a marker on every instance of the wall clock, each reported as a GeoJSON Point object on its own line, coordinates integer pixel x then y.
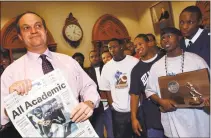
{"type": "Point", "coordinates": [72, 31]}
{"type": "Point", "coordinates": [205, 10]}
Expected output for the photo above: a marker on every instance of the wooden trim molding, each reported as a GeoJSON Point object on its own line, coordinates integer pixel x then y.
{"type": "Point", "coordinates": [107, 27]}
{"type": "Point", "coordinates": [9, 38]}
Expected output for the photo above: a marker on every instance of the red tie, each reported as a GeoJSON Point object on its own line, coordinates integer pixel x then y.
{"type": "Point", "coordinates": [46, 65]}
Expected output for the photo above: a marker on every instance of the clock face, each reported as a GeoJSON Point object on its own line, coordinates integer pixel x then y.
{"type": "Point", "coordinates": [73, 32]}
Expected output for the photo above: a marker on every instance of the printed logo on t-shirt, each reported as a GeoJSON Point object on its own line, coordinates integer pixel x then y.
{"type": "Point", "coordinates": [144, 78]}
{"type": "Point", "coordinates": [121, 80]}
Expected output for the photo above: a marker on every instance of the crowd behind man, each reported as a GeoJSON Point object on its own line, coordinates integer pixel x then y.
{"type": "Point", "coordinates": [124, 75]}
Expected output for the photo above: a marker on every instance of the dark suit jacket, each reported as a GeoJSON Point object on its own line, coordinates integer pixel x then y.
{"type": "Point", "coordinates": [92, 74]}
{"type": "Point", "coordinates": [100, 110]}
{"type": "Point", "coordinates": [200, 47]}
{"type": "Point", "coordinates": [164, 15]}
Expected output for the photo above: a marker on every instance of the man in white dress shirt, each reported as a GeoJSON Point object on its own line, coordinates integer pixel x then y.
{"type": "Point", "coordinates": [18, 76]}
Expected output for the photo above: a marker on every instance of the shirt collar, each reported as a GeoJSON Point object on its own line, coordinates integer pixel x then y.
{"type": "Point", "coordinates": [35, 56]}
{"type": "Point", "coordinates": [150, 60]}
{"type": "Point", "coordinates": [195, 37]}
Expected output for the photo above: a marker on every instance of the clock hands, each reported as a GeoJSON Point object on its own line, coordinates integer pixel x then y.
{"type": "Point", "coordinates": [77, 34]}
{"type": "Point", "coordinates": [74, 30]}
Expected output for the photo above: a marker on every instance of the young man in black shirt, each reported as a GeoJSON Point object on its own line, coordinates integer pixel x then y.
{"type": "Point", "coordinates": [145, 118]}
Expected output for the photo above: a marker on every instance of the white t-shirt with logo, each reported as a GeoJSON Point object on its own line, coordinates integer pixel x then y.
{"type": "Point", "coordinates": [115, 77]}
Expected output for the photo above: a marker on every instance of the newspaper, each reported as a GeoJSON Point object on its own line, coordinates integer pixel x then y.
{"type": "Point", "coordinates": [45, 111]}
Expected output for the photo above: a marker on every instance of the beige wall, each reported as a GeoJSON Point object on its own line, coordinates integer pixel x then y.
{"type": "Point", "coordinates": [134, 15]}
{"type": "Point", "coordinates": [87, 13]}
{"type": "Point", "coordinates": [177, 9]}
{"type": "Point", "coordinates": [145, 21]}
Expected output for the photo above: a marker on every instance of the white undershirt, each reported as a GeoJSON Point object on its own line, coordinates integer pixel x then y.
{"type": "Point", "coordinates": [195, 37]}
{"type": "Point", "coordinates": [151, 59]}
{"type": "Point", "coordinates": [97, 71]}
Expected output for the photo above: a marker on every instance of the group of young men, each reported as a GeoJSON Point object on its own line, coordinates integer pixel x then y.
{"type": "Point", "coordinates": [129, 89]}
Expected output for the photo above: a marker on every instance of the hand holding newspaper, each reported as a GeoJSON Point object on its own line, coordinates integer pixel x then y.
{"type": "Point", "coordinates": [46, 110]}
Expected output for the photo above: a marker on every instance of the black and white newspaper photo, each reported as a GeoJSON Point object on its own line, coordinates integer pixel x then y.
{"type": "Point", "coordinates": [45, 111]}
{"type": "Point", "coordinates": [51, 120]}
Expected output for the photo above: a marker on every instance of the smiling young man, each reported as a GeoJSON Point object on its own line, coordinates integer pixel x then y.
{"type": "Point", "coordinates": [177, 122]}
{"type": "Point", "coordinates": [145, 118]}
{"type": "Point", "coordinates": [115, 81]}
{"type": "Point", "coordinates": [195, 39]}
{"type": "Point", "coordinates": [106, 56]}
{"type": "Point", "coordinates": [18, 76]}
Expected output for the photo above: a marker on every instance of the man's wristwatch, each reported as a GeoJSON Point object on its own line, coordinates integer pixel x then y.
{"type": "Point", "coordinates": [91, 103]}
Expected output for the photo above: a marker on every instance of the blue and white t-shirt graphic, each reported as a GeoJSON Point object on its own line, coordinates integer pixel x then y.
{"type": "Point", "coordinates": [121, 80]}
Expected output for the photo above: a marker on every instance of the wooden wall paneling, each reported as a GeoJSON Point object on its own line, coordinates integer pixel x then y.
{"type": "Point", "coordinates": [10, 40]}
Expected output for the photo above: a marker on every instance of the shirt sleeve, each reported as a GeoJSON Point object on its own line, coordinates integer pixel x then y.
{"type": "Point", "coordinates": [201, 62]}
{"type": "Point", "coordinates": [6, 81]}
{"type": "Point", "coordinates": [87, 88]}
{"type": "Point", "coordinates": [104, 82]}
{"type": "Point", "coordinates": [152, 86]}
{"type": "Point", "coordinates": [135, 81]}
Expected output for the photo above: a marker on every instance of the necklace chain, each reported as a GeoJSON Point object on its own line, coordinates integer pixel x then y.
{"type": "Point", "coordinates": [182, 63]}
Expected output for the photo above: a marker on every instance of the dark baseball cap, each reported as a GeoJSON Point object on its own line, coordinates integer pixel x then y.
{"type": "Point", "coordinates": [172, 30]}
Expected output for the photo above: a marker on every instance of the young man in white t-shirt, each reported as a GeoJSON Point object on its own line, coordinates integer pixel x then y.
{"type": "Point", "coordinates": [115, 81]}
{"type": "Point", "coordinates": [177, 122]}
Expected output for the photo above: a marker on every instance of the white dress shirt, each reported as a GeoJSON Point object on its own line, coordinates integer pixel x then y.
{"type": "Point", "coordinates": [29, 66]}
{"type": "Point", "coordinates": [194, 37]}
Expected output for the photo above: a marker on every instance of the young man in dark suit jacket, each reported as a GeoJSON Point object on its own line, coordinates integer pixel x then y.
{"type": "Point", "coordinates": [195, 39]}
{"type": "Point", "coordinates": [94, 72]}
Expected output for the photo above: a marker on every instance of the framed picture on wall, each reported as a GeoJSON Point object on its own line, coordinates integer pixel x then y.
{"type": "Point", "coordinates": [161, 14]}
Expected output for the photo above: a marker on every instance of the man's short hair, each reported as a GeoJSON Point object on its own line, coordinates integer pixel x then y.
{"type": "Point", "coordinates": [172, 30]}
{"type": "Point", "coordinates": [78, 54]}
{"type": "Point", "coordinates": [153, 37]}
{"type": "Point", "coordinates": [117, 40]}
{"type": "Point", "coordinates": [106, 51]}
{"type": "Point", "coordinates": [143, 36]}
{"type": "Point", "coordinates": [129, 42]}
{"type": "Point", "coordinates": [95, 52]}
{"type": "Point", "coordinates": [193, 9]}
{"type": "Point", "coordinates": [21, 15]}
{"type": "Point", "coordinates": [125, 49]}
